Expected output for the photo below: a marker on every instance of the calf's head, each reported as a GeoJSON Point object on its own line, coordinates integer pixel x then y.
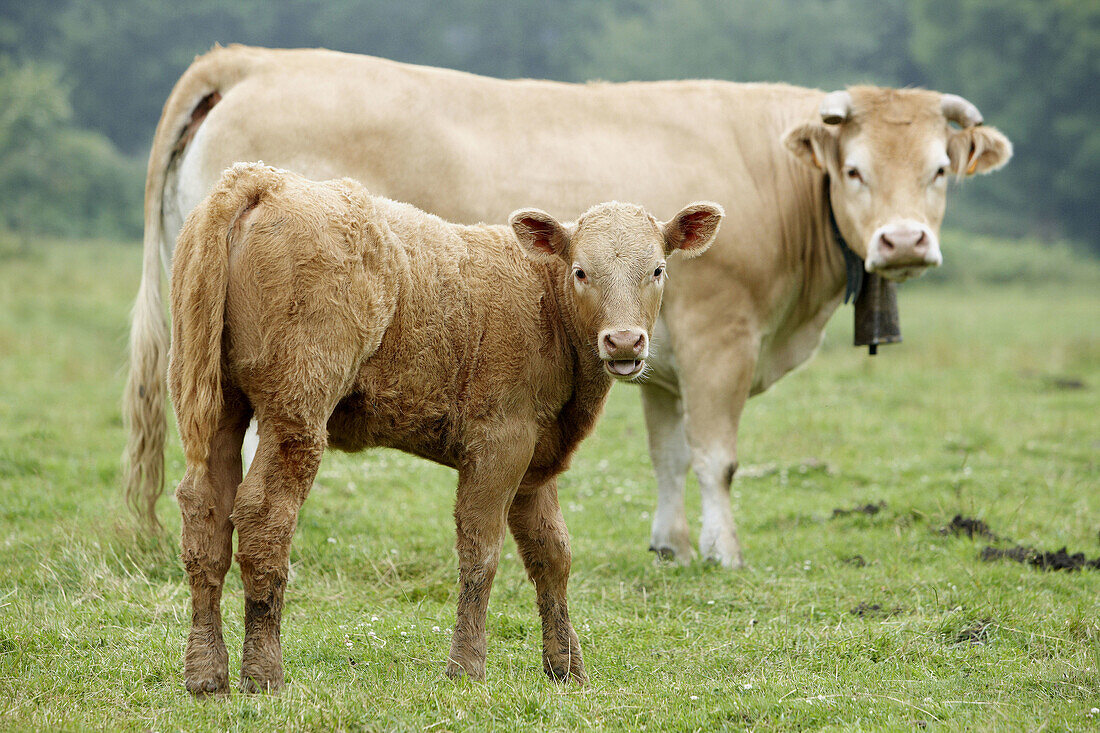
{"type": "Point", "coordinates": [615, 274]}
{"type": "Point", "coordinates": [887, 154]}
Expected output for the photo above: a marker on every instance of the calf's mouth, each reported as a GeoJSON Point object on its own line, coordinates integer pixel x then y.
{"type": "Point", "coordinates": [624, 368]}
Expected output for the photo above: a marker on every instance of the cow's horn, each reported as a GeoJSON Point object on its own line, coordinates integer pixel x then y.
{"type": "Point", "coordinates": [959, 110]}
{"type": "Point", "coordinates": [836, 107]}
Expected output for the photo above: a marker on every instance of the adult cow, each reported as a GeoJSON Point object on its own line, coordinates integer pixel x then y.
{"type": "Point", "coordinates": [791, 166]}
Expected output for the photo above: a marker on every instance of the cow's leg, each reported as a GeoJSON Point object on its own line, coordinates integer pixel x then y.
{"type": "Point", "coordinates": [716, 376]}
{"type": "Point", "coordinates": [266, 513]}
{"type": "Point", "coordinates": [205, 499]}
{"type": "Point", "coordinates": [486, 487]}
{"type": "Point", "coordinates": [543, 541]}
{"type": "Point", "coordinates": [671, 457]}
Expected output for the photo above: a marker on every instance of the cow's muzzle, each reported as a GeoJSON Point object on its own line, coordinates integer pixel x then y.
{"type": "Point", "coordinates": [902, 250]}
{"type": "Point", "coordinates": [624, 351]}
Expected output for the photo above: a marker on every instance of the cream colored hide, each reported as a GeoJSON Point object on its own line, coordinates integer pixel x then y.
{"type": "Point", "coordinates": [471, 149]}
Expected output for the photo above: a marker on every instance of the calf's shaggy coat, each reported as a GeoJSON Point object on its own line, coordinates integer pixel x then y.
{"type": "Point", "coordinates": [336, 317]}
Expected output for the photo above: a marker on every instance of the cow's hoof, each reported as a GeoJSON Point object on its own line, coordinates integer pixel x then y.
{"type": "Point", "coordinates": [721, 548]}
{"type": "Point", "coordinates": [672, 555]}
{"type": "Point", "coordinates": [723, 560]}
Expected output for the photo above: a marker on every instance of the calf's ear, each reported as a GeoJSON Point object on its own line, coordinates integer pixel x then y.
{"type": "Point", "coordinates": [978, 149]}
{"type": "Point", "coordinates": [693, 229]}
{"type": "Point", "coordinates": [813, 143]}
{"type": "Point", "coordinates": [539, 234]}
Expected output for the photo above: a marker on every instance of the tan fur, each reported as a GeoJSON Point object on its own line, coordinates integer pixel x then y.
{"type": "Point", "coordinates": [343, 319]}
{"type": "Point", "coordinates": [472, 149]}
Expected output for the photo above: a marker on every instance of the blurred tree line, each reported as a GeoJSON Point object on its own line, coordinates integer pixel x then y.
{"type": "Point", "coordinates": [82, 81]}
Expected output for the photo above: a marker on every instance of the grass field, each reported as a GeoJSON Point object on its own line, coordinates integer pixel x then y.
{"type": "Point", "coordinates": [990, 409]}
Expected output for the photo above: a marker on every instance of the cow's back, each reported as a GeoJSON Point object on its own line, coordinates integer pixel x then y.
{"type": "Point", "coordinates": [472, 148]}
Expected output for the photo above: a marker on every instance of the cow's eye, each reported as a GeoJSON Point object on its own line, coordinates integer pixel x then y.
{"type": "Point", "coordinates": [940, 173]}
{"type": "Point", "coordinates": [854, 174]}
{"type": "Point", "coordinates": [658, 272]}
{"type": "Point", "coordinates": [579, 274]}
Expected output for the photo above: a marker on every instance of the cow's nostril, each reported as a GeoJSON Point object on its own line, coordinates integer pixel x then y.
{"type": "Point", "coordinates": [609, 342]}
{"type": "Point", "coordinates": [639, 344]}
{"type": "Point", "coordinates": [922, 241]}
{"type": "Point", "coordinates": [887, 245]}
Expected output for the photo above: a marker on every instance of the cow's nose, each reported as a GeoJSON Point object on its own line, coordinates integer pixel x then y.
{"type": "Point", "coordinates": [901, 239]}
{"type": "Point", "coordinates": [624, 343]}
{"type": "Point", "coordinates": [904, 245]}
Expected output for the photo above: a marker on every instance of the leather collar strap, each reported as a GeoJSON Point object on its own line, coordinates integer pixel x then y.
{"type": "Point", "coordinates": [853, 265]}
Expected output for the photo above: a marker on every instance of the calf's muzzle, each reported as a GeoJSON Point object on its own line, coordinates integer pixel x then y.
{"type": "Point", "coordinates": [624, 351]}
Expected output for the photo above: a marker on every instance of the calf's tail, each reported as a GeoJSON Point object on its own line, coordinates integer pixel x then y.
{"type": "Point", "coordinates": [200, 275]}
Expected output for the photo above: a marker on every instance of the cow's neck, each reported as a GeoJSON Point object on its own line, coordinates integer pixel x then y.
{"type": "Point", "coordinates": [816, 250]}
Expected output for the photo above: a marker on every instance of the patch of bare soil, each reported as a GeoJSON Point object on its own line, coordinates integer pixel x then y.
{"type": "Point", "coordinates": [865, 609]}
{"type": "Point", "coordinates": [1057, 560]}
{"type": "Point", "coordinates": [869, 509]}
{"type": "Point", "coordinates": [969, 526]}
{"type": "Point", "coordinates": [976, 633]}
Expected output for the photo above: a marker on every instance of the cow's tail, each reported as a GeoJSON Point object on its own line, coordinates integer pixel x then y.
{"type": "Point", "coordinates": [197, 91]}
{"type": "Point", "coordinates": [200, 274]}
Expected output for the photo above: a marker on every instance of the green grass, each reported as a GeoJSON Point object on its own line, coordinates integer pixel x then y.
{"type": "Point", "coordinates": [967, 416]}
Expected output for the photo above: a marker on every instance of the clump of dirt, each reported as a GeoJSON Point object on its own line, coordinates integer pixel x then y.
{"type": "Point", "coordinates": [1066, 383]}
{"type": "Point", "coordinates": [869, 509]}
{"type": "Point", "coordinates": [969, 526]}
{"type": "Point", "coordinates": [1057, 560]}
{"type": "Point", "coordinates": [856, 561]}
{"type": "Point", "coordinates": [976, 633]}
{"type": "Point", "coordinates": [874, 609]}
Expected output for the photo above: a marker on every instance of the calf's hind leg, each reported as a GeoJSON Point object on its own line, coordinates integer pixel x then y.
{"type": "Point", "coordinates": [266, 514]}
{"type": "Point", "coordinates": [205, 497]}
{"type": "Point", "coordinates": [543, 541]}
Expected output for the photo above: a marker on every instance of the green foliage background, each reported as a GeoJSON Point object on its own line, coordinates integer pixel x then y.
{"type": "Point", "coordinates": [1032, 67]}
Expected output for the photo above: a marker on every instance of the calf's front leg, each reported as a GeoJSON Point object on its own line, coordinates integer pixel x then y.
{"type": "Point", "coordinates": [266, 514]}
{"type": "Point", "coordinates": [486, 486]}
{"type": "Point", "coordinates": [543, 541]}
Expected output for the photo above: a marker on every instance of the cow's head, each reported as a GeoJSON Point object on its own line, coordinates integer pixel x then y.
{"type": "Point", "coordinates": [615, 275]}
{"type": "Point", "coordinates": [887, 154]}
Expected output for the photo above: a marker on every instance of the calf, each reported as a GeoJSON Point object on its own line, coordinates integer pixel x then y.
{"type": "Point", "coordinates": [340, 318]}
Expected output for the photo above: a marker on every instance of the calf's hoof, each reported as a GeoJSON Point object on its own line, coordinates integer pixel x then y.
{"type": "Point", "coordinates": [471, 670]}
{"type": "Point", "coordinates": [252, 685]}
{"type": "Point", "coordinates": [205, 665]}
{"type": "Point", "coordinates": [261, 678]}
{"type": "Point", "coordinates": [213, 686]}
{"type": "Point", "coordinates": [565, 670]}
{"type": "Point", "coordinates": [561, 657]}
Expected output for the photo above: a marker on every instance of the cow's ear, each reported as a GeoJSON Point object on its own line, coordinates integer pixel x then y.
{"type": "Point", "coordinates": [539, 234]}
{"type": "Point", "coordinates": [693, 229]}
{"type": "Point", "coordinates": [978, 149]}
{"type": "Point", "coordinates": [813, 143]}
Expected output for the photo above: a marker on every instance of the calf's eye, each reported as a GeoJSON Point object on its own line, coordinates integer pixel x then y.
{"type": "Point", "coordinates": [854, 174]}
{"type": "Point", "coordinates": [579, 274]}
{"type": "Point", "coordinates": [658, 272]}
